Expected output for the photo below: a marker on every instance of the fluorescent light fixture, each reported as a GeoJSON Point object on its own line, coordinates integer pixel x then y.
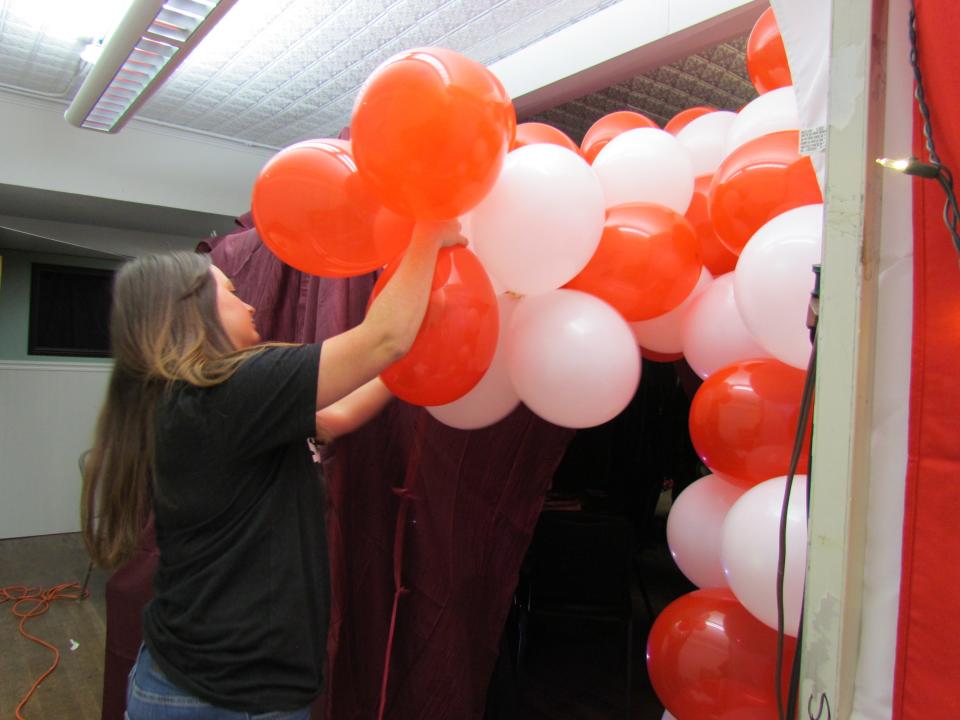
{"type": "Point", "coordinates": [153, 38]}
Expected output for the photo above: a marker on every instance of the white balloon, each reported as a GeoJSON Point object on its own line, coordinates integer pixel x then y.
{"type": "Point", "coordinates": [541, 222]}
{"type": "Point", "coordinates": [667, 716]}
{"type": "Point", "coordinates": [714, 334]}
{"type": "Point", "coordinates": [773, 281]}
{"type": "Point", "coordinates": [572, 358]}
{"type": "Point", "coordinates": [750, 550]}
{"type": "Point", "coordinates": [646, 165]}
{"type": "Point", "coordinates": [466, 225]}
{"type": "Point", "coordinates": [771, 112]}
{"type": "Point", "coordinates": [705, 138]}
{"type": "Point", "coordinates": [491, 399]}
{"type": "Point", "coordinates": [664, 333]}
{"type": "Point", "coordinates": [695, 528]}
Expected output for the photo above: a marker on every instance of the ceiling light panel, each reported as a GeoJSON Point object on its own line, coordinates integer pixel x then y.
{"type": "Point", "coordinates": [151, 39]}
{"type": "Point", "coordinates": [250, 90]}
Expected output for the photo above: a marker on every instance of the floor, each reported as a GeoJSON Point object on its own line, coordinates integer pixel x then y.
{"type": "Point", "coordinates": [76, 627]}
{"type": "Point", "coordinates": [571, 670]}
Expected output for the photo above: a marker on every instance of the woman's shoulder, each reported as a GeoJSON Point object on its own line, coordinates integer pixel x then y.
{"type": "Point", "coordinates": [275, 359]}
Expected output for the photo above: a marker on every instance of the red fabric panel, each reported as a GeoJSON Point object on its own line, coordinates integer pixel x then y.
{"type": "Point", "coordinates": [927, 680]}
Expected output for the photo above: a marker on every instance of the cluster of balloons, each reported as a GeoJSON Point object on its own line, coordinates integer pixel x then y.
{"type": "Point", "coordinates": [758, 214]}
{"type": "Point", "coordinates": [650, 221]}
{"type": "Point", "coordinates": [695, 241]}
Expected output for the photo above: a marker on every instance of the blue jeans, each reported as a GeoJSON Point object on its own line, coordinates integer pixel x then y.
{"type": "Point", "coordinates": [151, 696]}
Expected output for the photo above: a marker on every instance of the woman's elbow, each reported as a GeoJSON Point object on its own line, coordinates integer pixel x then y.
{"type": "Point", "coordinates": [394, 347]}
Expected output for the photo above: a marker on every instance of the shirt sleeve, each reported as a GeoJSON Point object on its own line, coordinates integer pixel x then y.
{"type": "Point", "coordinates": [270, 401]}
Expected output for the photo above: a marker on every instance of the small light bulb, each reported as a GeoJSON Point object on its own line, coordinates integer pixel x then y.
{"type": "Point", "coordinates": [911, 166]}
{"type": "Point", "coordinates": [899, 164]}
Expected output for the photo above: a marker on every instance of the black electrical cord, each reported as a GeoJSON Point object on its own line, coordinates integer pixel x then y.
{"type": "Point", "coordinates": [951, 213]}
{"type": "Point", "coordinates": [794, 691]}
{"type": "Point", "coordinates": [806, 402]}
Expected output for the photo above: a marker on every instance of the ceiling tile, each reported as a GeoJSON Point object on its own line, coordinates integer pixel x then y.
{"type": "Point", "coordinates": [273, 73]}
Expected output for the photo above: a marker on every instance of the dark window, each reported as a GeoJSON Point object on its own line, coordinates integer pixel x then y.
{"type": "Point", "coordinates": [69, 311]}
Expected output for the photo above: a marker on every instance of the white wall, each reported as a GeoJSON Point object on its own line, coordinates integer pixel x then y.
{"type": "Point", "coordinates": [48, 409]}
{"type": "Point", "coordinates": [144, 163]}
{"type": "Point", "coordinates": [47, 415]}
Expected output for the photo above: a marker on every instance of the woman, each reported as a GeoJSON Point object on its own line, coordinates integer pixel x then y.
{"type": "Point", "coordinates": [208, 429]}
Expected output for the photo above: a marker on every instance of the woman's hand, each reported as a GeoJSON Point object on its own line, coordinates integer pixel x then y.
{"type": "Point", "coordinates": [352, 358]}
{"type": "Point", "coordinates": [445, 233]}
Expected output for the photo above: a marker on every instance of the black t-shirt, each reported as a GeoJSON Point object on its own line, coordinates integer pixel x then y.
{"type": "Point", "coordinates": [240, 613]}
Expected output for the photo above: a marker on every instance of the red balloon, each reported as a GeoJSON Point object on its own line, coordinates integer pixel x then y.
{"type": "Point", "coordinates": [743, 419]}
{"type": "Point", "coordinates": [458, 335]}
{"type": "Point", "coordinates": [314, 211]}
{"type": "Point", "coordinates": [716, 256]}
{"type": "Point", "coordinates": [646, 264]}
{"type": "Point", "coordinates": [767, 63]}
{"type": "Point", "coordinates": [683, 118]}
{"type": "Point", "coordinates": [530, 133]}
{"type": "Point", "coordinates": [654, 356]}
{"type": "Point", "coordinates": [710, 659]}
{"type": "Point", "coordinates": [608, 127]}
{"type": "Point", "coordinates": [430, 130]}
{"type": "Point", "coordinates": [758, 181]}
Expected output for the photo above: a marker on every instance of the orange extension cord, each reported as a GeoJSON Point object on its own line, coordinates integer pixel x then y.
{"type": "Point", "coordinates": [30, 603]}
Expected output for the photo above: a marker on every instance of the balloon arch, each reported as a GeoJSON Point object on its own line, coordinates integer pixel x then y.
{"type": "Point", "coordinates": [695, 239]}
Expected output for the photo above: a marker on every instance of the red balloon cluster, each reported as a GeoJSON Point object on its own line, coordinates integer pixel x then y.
{"type": "Point", "coordinates": [430, 130]}
{"type": "Point", "coordinates": [429, 133]}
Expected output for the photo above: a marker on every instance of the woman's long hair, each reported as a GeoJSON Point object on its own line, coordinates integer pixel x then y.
{"type": "Point", "coordinates": [164, 328]}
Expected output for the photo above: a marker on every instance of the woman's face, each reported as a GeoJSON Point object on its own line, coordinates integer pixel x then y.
{"type": "Point", "coordinates": [235, 315]}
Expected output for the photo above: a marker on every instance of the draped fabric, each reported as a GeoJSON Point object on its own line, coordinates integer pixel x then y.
{"type": "Point", "coordinates": [127, 592]}
{"type": "Point", "coordinates": [805, 28]}
{"type": "Point", "coordinates": [428, 525]}
{"type": "Point", "coordinates": [928, 659]}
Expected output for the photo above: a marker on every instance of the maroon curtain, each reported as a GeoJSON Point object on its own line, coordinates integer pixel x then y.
{"type": "Point", "coordinates": [428, 525]}
{"type": "Point", "coordinates": [127, 591]}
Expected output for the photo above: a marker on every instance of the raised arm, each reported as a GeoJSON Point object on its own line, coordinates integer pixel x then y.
{"type": "Point", "coordinates": [352, 411]}
{"type": "Point", "coordinates": [357, 356]}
